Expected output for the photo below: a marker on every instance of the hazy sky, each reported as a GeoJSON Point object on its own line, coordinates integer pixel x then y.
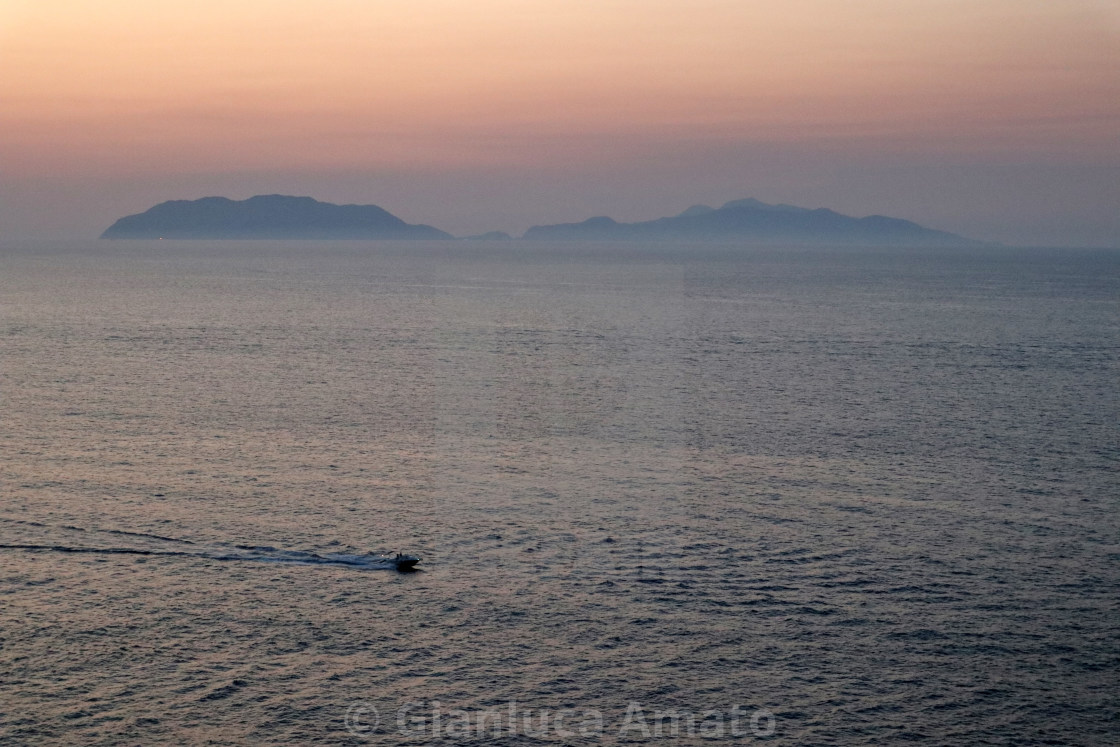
{"type": "Point", "coordinates": [999, 119]}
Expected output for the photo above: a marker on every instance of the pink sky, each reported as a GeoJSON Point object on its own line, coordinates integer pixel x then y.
{"type": "Point", "coordinates": [999, 119]}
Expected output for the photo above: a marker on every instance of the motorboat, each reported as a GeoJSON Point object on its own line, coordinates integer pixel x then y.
{"type": "Point", "coordinates": [404, 562]}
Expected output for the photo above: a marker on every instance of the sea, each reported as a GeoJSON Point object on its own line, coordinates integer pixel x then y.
{"type": "Point", "coordinates": [667, 494]}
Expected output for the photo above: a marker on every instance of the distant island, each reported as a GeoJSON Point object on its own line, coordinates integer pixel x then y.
{"type": "Point", "coordinates": [756, 222]}
{"type": "Point", "coordinates": [266, 217]}
{"type": "Point", "coordinates": [749, 221]}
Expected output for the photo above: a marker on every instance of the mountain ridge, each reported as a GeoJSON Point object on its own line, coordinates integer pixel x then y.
{"type": "Point", "coordinates": [759, 222]}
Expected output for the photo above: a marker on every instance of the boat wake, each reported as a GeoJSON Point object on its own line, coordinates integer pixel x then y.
{"type": "Point", "coordinates": [157, 545]}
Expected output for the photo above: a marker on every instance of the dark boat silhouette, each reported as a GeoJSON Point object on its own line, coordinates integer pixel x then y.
{"type": "Point", "coordinates": [404, 562]}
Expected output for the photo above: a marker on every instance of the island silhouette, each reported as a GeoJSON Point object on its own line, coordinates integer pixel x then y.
{"type": "Point", "coordinates": [747, 220]}
{"type": "Point", "coordinates": [266, 217]}
{"type": "Point", "coordinates": [756, 222]}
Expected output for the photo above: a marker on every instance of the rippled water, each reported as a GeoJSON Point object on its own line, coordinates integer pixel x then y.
{"type": "Point", "coordinates": [872, 492]}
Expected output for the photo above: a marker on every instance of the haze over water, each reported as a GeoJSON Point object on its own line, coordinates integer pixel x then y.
{"type": "Point", "coordinates": [870, 491]}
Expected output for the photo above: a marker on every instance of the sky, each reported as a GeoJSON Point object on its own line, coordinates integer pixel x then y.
{"type": "Point", "coordinates": [997, 119]}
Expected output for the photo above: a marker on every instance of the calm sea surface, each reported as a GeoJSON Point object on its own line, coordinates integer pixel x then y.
{"type": "Point", "coordinates": [805, 496]}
